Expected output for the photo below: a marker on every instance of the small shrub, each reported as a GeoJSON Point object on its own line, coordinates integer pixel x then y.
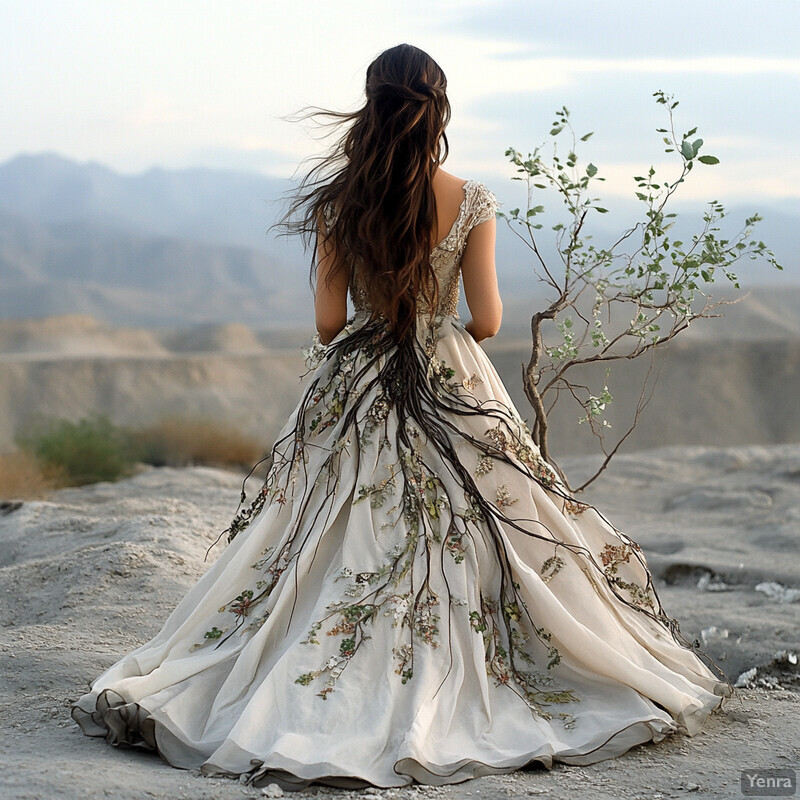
{"type": "Point", "coordinates": [22, 477]}
{"type": "Point", "coordinates": [58, 452]}
{"type": "Point", "coordinates": [86, 451]}
{"type": "Point", "coordinates": [185, 441]}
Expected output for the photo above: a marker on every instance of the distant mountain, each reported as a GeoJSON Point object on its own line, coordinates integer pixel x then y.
{"type": "Point", "coordinates": [225, 207]}
{"type": "Point", "coordinates": [85, 251]}
{"type": "Point", "coordinates": [192, 245]}
{"type": "Point", "coordinates": [158, 248]}
{"type": "Point", "coordinates": [125, 278]}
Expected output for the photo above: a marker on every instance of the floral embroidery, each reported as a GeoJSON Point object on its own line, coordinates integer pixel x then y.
{"type": "Point", "coordinates": [438, 371]}
{"type": "Point", "coordinates": [504, 498]}
{"type": "Point", "coordinates": [404, 655]}
{"type": "Point", "coordinates": [552, 566]}
{"type": "Point", "coordinates": [470, 383]}
{"type": "Point", "coordinates": [241, 605]}
{"type": "Point", "coordinates": [515, 445]}
{"type": "Point", "coordinates": [455, 545]}
{"type": "Point", "coordinates": [485, 466]}
{"type": "Point", "coordinates": [397, 406]}
{"type": "Point", "coordinates": [575, 507]}
{"type": "Point", "coordinates": [262, 562]}
{"type": "Point", "coordinates": [377, 493]}
{"type": "Point", "coordinates": [503, 657]}
{"type": "Point", "coordinates": [612, 556]}
{"type": "Point", "coordinates": [315, 354]}
{"type": "Point", "coordinates": [426, 623]}
{"type": "Point", "coordinates": [212, 635]}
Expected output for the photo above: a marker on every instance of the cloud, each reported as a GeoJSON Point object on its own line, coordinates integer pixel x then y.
{"type": "Point", "coordinates": [132, 84]}
{"type": "Point", "coordinates": [586, 28]}
{"type": "Point", "coordinates": [698, 65]}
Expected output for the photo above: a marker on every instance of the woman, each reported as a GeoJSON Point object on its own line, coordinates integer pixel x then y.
{"type": "Point", "coordinates": [412, 595]}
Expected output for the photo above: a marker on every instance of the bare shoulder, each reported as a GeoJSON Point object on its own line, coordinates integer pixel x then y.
{"type": "Point", "coordinates": [449, 191]}
{"type": "Point", "coordinates": [448, 181]}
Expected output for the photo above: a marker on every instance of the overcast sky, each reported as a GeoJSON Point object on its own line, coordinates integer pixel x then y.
{"type": "Point", "coordinates": [178, 83]}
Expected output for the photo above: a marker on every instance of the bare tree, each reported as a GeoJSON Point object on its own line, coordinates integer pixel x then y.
{"type": "Point", "coordinates": [646, 278]}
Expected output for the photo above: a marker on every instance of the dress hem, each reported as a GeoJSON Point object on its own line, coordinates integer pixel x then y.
{"type": "Point", "coordinates": [129, 724]}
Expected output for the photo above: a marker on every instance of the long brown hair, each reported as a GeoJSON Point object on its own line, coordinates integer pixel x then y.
{"type": "Point", "coordinates": [378, 182]}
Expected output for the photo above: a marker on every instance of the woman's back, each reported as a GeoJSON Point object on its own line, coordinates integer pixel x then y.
{"type": "Point", "coordinates": [462, 206]}
{"type": "Point", "coordinates": [449, 192]}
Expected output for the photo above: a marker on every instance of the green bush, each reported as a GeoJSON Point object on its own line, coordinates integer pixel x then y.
{"type": "Point", "coordinates": [184, 441]}
{"type": "Point", "coordinates": [93, 449]}
{"type": "Point", "coordinates": [86, 451]}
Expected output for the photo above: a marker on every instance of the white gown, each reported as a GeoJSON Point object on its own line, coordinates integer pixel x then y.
{"type": "Point", "coordinates": [412, 595]}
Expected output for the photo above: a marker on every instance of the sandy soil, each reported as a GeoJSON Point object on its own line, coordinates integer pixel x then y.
{"type": "Point", "coordinates": [91, 573]}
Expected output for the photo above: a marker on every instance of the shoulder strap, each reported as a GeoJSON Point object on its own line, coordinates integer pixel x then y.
{"type": "Point", "coordinates": [481, 204]}
{"type": "Point", "coordinates": [329, 214]}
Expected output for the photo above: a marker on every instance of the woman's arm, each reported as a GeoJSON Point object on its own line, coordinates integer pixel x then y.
{"type": "Point", "coordinates": [479, 273]}
{"type": "Point", "coordinates": [330, 300]}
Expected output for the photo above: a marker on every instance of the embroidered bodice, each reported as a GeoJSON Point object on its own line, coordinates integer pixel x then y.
{"type": "Point", "coordinates": [478, 205]}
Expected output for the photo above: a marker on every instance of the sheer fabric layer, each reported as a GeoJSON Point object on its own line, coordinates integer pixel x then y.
{"type": "Point", "coordinates": [396, 607]}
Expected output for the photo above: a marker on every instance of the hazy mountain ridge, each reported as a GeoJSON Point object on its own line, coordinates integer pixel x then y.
{"type": "Point", "coordinates": [80, 336]}
{"type": "Point", "coordinates": [83, 267]}
{"type": "Point", "coordinates": [223, 206]}
{"type": "Point", "coordinates": [32, 250]}
{"type": "Point", "coordinates": [168, 247]}
{"type": "Point", "coordinates": [237, 208]}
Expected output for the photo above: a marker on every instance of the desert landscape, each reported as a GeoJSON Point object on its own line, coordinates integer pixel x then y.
{"type": "Point", "coordinates": [111, 308]}
{"type": "Point", "coordinates": [90, 573]}
{"type": "Point", "coordinates": [727, 381]}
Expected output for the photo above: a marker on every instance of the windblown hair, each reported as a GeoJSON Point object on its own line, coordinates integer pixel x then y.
{"type": "Point", "coordinates": [377, 183]}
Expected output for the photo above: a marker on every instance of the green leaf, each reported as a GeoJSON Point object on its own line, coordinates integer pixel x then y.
{"type": "Point", "coordinates": [687, 151]}
{"type": "Point", "coordinates": [591, 170]}
{"type": "Point", "coordinates": [708, 160]}
{"type": "Point", "coordinates": [586, 137]}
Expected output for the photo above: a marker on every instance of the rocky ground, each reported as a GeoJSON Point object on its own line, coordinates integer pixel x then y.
{"type": "Point", "coordinates": [91, 573]}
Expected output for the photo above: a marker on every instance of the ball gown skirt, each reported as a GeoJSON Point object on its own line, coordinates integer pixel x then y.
{"type": "Point", "coordinates": [410, 595]}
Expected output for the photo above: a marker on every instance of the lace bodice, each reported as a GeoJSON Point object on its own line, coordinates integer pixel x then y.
{"type": "Point", "coordinates": [478, 205]}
